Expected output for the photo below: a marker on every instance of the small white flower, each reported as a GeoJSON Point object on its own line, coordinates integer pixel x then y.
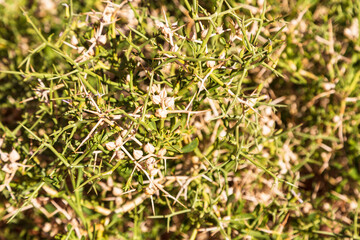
{"type": "Point", "coordinates": [150, 161]}
{"type": "Point", "coordinates": [156, 99]}
{"type": "Point", "coordinates": [336, 119]}
{"type": "Point", "coordinates": [149, 148]}
{"type": "Point", "coordinates": [266, 131]}
{"type": "Point", "coordinates": [119, 141]}
{"type": "Point", "coordinates": [91, 52]}
{"type": "Point", "coordinates": [163, 94]}
{"type": "Point", "coordinates": [170, 102]}
{"type": "Point", "coordinates": [102, 39]}
{"type": "Point", "coordinates": [161, 113]}
{"type": "Point", "coordinates": [120, 154]}
{"type": "Point", "coordinates": [92, 40]}
{"type": "Point", "coordinates": [154, 171]}
{"type": "Point", "coordinates": [117, 191]}
{"type": "Point", "coordinates": [268, 111]}
{"type": "Point", "coordinates": [74, 40]}
{"type": "Point", "coordinates": [80, 50]}
{"type": "Point", "coordinates": [4, 156]}
{"type": "Point", "coordinates": [204, 33]}
{"type": "Point", "coordinates": [222, 134]}
{"type": "Point", "coordinates": [110, 146]}
{"type": "Point", "coordinates": [138, 154]}
{"type": "Point", "coordinates": [210, 64]}
{"type": "Point", "coordinates": [162, 152]}
{"type": "Point", "coordinates": [328, 86]}
{"type": "Point", "coordinates": [155, 89]}
{"type": "Point", "coordinates": [14, 156]}
{"type": "Point", "coordinates": [151, 190]}
{"type": "Point", "coordinates": [271, 123]}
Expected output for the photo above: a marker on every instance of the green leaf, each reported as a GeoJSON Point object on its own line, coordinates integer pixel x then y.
{"type": "Point", "coordinates": [191, 146]}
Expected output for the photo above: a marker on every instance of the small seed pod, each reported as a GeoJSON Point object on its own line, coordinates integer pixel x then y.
{"type": "Point", "coordinates": [110, 146]}
{"type": "Point", "coordinates": [156, 99]}
{"type": "Point", "coordinates": [162, 152]}
{"type": "Point", "coordinates": [14, 156]}
{"type": "Point", "coordinates": [102, 39]}
{"type": "Point", "coordinates": [161, 113]}
{"type": "Point", "coordinates": [170, 102]}
{"type": "Point", "coordinates": [119, 141]}
{"type": "Point", "coordinates": [149, 148]}
{"type": "Point", "coordinates": [138, 154]}
{"type": "Point", "coordinates": [120, 154]}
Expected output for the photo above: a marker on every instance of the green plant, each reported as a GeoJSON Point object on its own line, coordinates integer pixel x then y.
{"type": "Point", "coordinates": [145, 113]}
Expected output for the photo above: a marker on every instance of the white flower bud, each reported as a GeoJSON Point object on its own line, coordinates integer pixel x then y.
{"type": "Point", "coordinates": [110, 146]}
{"type": "Point", "coordinates": [170, 102]}
{"type": "Point", "coordinates": [162, 152]}
{"type": "Point", "coordinates": [161, 113]}
{"type": "Point", "coordinates": [138, 154]}
{"type": "Point", "coordinates": [149, 148]}
{"type": "Point", "coordinates": [156, 99]}
{"type": "Point", "coordinates": [120, 154]}
{"type": "Point", "coordinates": [102, 39]}
{"type": "Point", "coordinates": [163, 94]}
{"type": "Point", "coordinates": [14, 156]}
{"type": "Point", "coordinates": [119, 141]}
